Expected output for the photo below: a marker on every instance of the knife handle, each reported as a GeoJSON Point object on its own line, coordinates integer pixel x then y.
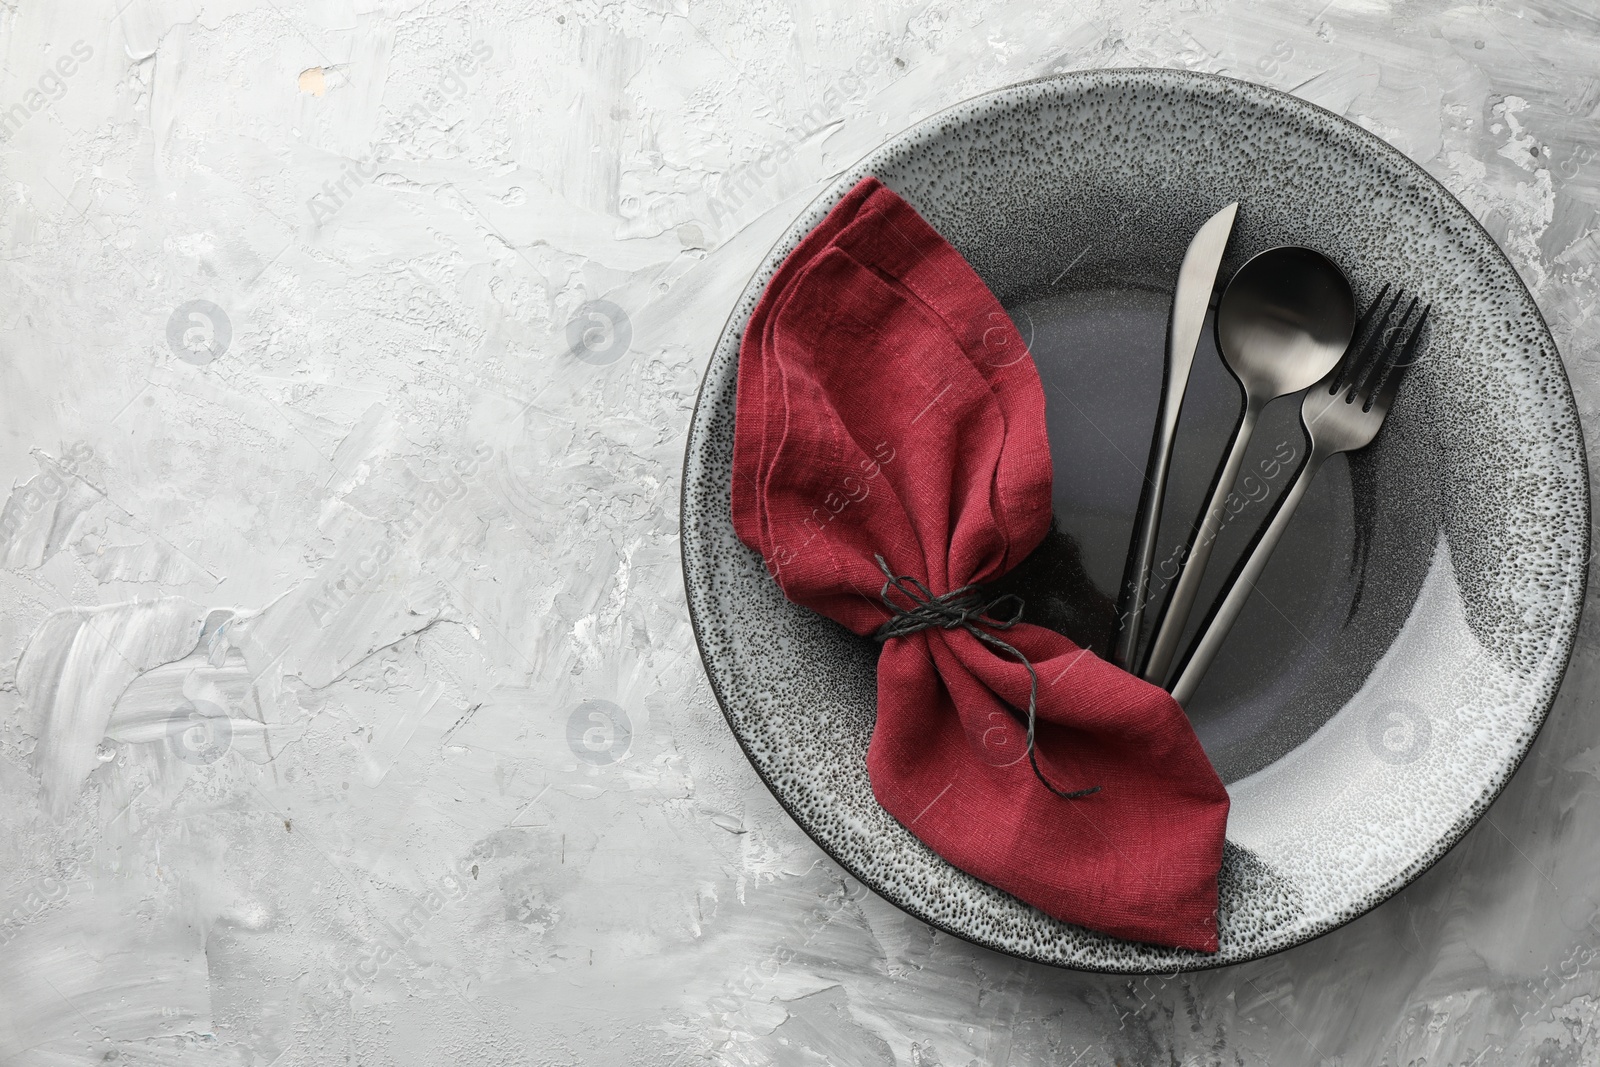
{"type": "Point", "coordinates": [1146, 525]}
{"type": "Point", "coordinates": [1197, 276]}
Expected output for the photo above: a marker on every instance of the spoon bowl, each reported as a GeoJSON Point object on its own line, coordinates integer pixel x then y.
{"type": "Point", "coordinates": [1284, 321]}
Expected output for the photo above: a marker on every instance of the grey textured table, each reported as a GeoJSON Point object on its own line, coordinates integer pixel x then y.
{"type": "Point", "coordinates": [351, 712]}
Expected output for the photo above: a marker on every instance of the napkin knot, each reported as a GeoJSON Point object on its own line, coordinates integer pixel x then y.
{"type": "Point", "coordinates": [967, 608]}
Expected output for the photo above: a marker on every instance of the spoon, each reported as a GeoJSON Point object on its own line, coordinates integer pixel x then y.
{"type": "Point", "coordinates": [1283, 322]}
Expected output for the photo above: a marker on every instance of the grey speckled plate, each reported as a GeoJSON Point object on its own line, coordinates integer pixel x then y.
{"type": "Point", "coordinates": [1410, 634]}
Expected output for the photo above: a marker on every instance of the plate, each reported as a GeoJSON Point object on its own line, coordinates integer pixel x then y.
{"type": "Point", "coordinates": [1409, 636]}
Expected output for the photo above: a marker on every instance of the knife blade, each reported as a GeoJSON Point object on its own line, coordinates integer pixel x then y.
{"type": "Point", "coordinates": [1197, 277]}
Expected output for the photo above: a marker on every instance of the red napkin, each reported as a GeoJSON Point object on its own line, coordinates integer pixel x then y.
{"type": "Point", "coordinates": [887, 406]}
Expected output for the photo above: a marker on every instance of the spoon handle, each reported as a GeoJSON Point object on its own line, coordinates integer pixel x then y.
{"type": "Point", "coordinates": [1242, 583]}
{"type": "Point", "coordinates": [1175, 615]}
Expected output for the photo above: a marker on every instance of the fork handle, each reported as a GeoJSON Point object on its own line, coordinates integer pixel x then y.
{"type": "Point", "coordinates": [1243, 583]}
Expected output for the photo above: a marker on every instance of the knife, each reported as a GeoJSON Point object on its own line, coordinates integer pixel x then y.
{"type": "Point", "coordinates": [1197, 277]}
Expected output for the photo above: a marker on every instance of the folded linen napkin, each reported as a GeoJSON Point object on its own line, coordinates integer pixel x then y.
{"type": "Point", "coordinates": [890, 449]}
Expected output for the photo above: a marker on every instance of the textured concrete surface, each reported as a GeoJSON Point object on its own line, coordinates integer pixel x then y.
{"type": "Point", "coordinates": [349, 708]}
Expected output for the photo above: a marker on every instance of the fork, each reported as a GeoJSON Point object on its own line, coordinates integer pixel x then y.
{"type": "Point", "coordinates": [1341, 413]}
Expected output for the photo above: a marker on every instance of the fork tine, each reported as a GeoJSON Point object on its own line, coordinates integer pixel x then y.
{"type": "Point", "coordinates": [1372, 309]}
{"type": "Point", "coordinates": [1402, 359]}
{"type": "Point", "coordinates": [1412, 340]}
{"type": "Point", "coordinates": [1351, 354]}
{"type": "Point", "coordinates": [1366, 348]}
{"type": "Point", "coordinates": [1367, 385]}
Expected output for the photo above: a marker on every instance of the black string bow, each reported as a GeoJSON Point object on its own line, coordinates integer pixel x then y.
{"type": "Point", "coordinates": [967, 608]}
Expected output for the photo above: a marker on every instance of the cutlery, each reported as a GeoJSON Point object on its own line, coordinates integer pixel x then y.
{"type": "Point", "coordinates": [1197, 277]}
{"type": "Point", "coordinates": [1341, 413]}
{"type": "Point", "coordinates": [1283, 322]}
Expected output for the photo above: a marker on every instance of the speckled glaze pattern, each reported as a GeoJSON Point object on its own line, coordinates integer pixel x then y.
{"type": "Point", "coordinates": [1469, 614]}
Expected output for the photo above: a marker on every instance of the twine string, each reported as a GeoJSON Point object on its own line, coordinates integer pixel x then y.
{"type": "Point", "coordinates": [970, 608]}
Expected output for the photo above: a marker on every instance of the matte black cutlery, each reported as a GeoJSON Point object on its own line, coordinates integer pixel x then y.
{"type": "Point", "coordinates": [1283, 322]}
{"type": "Point", "coordinates": [1341, 413]}
{"type": "Point", "coordinates": [1197, 277]}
